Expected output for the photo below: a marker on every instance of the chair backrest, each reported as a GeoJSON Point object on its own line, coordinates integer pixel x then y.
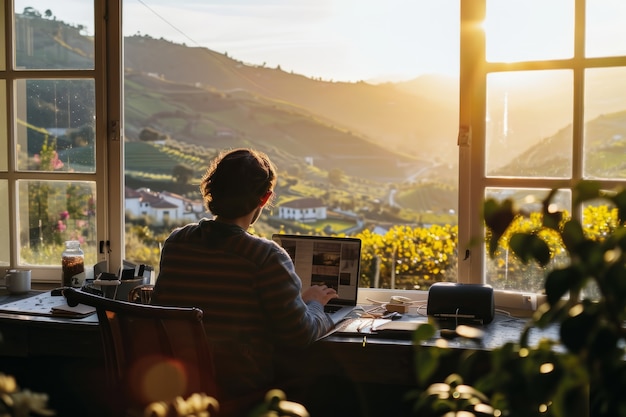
{"type": "Point", "coordinates": [152, 353]}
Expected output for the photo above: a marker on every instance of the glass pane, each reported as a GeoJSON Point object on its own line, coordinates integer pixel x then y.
{"type": "Point", "coordinates": [55, 125]}
{"type": "Point", "coordinates": [606, 31]}
{"type": "Point", "coordinates": [355, 101]}
{"type": "Point", "coordinates": [51, 212]}
{"type": "Point", "coordinates": [529, 124]}
{"type": "Point", "coordinates": [529, 30]}
{"type": "Point", "coordinates": [4, 160]}
{"type": "Point", "coordinates": [605, 123]}
{"type": "Point", "coordinates": [54, 35]}
{"type": "Point", "coordinates": [4, 225]}
{"type": "Point", "coordinates": [505, 271]}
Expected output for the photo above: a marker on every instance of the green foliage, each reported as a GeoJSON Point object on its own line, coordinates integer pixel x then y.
{"type": "Point", "coordinates": [416, 256]}
{"type": "Point", "coordinates": [588, 377]}
{"type": "Point", "coordinates": [182, 173]}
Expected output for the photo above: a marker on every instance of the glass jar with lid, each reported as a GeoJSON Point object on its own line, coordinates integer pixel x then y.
{"type": "Point", "coordinates": [72, 261]}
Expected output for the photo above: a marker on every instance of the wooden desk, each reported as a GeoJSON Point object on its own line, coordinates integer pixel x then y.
{"type": "Point", "coordinates": [57, 356]}
{"type": "Point", "coordinates": [378, 373]}
{"type": "Point", "coordinates": [63, 358]}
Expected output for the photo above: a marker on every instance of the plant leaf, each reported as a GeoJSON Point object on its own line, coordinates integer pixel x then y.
{"type": "Point", "coordinates": [575, 330]}
{"type": "Point", "coordinates": [560, 281]}
{"type": "Point", "coordinates": [552, 220]}
{"type": "Point", "coordinates": [572, 235]}
{"type": "Point", "coordinates": [498, 217]}
{"type": "Point", "coordinates": [620, 201]}
{"type": "Point", "coordinates": [530, 246]}
{"type": "Point", "coordinates": [585, 190]}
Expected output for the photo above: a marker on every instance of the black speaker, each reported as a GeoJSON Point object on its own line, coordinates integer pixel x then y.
{"type": "Point", "coordinates": [461, 303]}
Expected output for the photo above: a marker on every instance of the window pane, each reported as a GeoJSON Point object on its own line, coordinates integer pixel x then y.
{"type": "Point", "coordinates": [606, 31]}
{"type": "Point", "coordinates": [4, 225]}
{"type": "Point", "coordinates": [4, 160]}
{"type": "Point", "coordinates": [605, 123]}
{"type": "Point", "coordinates": [529, 124]}
{"type": "Point", "coordinates": [505, 271]}
{"type": "Point", "coordinates": [45, 40]}
{"type": "Point", "coordinates": [51, 212]}
{"type": "Point", "coordinates": [529, 30]}
{"type": "Point", "coordinates": [55, 126]}
{"type": "Point", "coordinates": [355, 101]}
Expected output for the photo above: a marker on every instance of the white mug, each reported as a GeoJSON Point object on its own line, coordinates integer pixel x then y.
{"type": "Point", "coordinates": [17, 281]}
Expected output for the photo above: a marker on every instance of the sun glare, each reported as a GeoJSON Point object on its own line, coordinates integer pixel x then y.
{"type": "Point", "coordinates": [528, 30]}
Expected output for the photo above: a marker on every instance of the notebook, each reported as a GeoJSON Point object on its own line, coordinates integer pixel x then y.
{"type": "Point", "coordinates": [325, 260]}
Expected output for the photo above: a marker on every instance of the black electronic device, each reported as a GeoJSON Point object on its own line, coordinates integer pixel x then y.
{"type": "Point", "coordinates": [461, 303]}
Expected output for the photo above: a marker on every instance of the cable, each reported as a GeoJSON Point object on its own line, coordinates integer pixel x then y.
{"type": "Point", "coordinates": [169, 24]}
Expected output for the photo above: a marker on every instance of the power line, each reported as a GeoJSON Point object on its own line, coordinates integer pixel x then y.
{"type": "Point", "coordinates": [168, 23]}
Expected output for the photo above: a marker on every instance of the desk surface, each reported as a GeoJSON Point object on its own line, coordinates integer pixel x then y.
{"type": "Point", "coordinates": [35, 307]}
{"type": "Point", "coordinates": [501, 330]}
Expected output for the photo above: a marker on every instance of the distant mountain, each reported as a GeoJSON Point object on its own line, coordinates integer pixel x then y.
{"type": "Point", "coordinates": [417, 117]}
{"type": "Point", "coordinates": [414, 124]}
{"type": "Point", "coordinates": [202, 116]}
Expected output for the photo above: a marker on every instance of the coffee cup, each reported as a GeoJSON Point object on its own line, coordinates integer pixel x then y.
{"type": "Point", "coordinates": [17, 281]}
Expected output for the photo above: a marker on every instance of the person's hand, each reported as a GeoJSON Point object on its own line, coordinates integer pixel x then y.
{"type": "Point", "coordinates": [319, 293]}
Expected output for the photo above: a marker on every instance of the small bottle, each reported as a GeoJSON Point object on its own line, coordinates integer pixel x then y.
{"type": "Point", "coordinates": [72, 261]}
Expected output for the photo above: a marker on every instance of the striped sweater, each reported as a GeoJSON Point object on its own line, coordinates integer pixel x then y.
{"type": "Point", "coordinates": [250, 295]}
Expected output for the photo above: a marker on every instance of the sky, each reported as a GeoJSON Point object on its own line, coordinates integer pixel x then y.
{"type": "Point", "coordinates": [347, 40]}
{"type": "Point", "coordinates": [338, 40]}
{"type": "Point", "coordinates": [353, 40]}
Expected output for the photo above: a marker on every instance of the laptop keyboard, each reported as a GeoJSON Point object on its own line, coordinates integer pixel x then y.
{"type": "Point", "coordinates": [331, 308]}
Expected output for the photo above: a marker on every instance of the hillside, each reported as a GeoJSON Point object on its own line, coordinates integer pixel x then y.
{"type": "Point", "coordinates": [211, 119]}
{"type": "Point", "coordinates": [551, 156]}
{"type": "Point", "coordinates": [404, 121]}
{"type": "Point", "coordinates": [379, 136]}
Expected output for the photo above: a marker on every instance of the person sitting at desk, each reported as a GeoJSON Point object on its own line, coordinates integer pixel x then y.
{"type": "Point", "coordinates": [247, 286]}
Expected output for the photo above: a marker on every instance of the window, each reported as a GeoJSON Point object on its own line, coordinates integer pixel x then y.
{"type": "Point", "coordinates": [355, 101]}
{"type": "Point", "coordinates": [364, 131]}
{"type": "Point", "coordinates": [53, 163]}
{"type": "Point", "coordinates": [542, 106]}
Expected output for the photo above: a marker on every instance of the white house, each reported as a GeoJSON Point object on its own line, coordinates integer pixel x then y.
{"type": "Point", "coordinates": [162, 206]}
{"type": "Point", "coordinates": [189, 209]}
{"type": "Point", "coordinates": [303, 209]}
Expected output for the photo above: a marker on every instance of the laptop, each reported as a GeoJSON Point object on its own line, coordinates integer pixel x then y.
{"type": "Point", "coordinates": [326, 260]}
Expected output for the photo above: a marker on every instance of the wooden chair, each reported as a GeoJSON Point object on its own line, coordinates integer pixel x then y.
{"type": "Point", "coordinates": [152, 353]}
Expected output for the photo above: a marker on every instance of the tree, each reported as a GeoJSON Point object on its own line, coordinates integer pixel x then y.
{"type": "Point", "coordinates": [182, 173]}
{"type": "Point", "coordinates": [149, 134]}
{"type": "Point", "coordinates": [31, 11]}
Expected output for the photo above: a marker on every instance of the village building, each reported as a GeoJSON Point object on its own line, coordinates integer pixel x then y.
{"type": "Point", "coordinates": [303, 210]}
{"type": "Point", "coordinates": [162, 206]}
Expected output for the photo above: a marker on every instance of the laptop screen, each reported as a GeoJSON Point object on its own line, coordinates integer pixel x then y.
{"type": "Point", "coordinates": [332, 261]}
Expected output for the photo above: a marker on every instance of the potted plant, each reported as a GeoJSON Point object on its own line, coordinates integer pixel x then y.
{"type": "Point", "coordinates": [583, 373]}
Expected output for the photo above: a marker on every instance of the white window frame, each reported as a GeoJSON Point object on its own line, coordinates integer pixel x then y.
{"type": "Point", "coordinates": [107, 75]}
{"type": "Point", "coordinates": [473, 181]}
{"type": "Point", "coordinates": [474, 69]}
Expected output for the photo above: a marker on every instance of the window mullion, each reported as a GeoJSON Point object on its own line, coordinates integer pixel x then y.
{"type": "Point", "coordinates": [471, 140]}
